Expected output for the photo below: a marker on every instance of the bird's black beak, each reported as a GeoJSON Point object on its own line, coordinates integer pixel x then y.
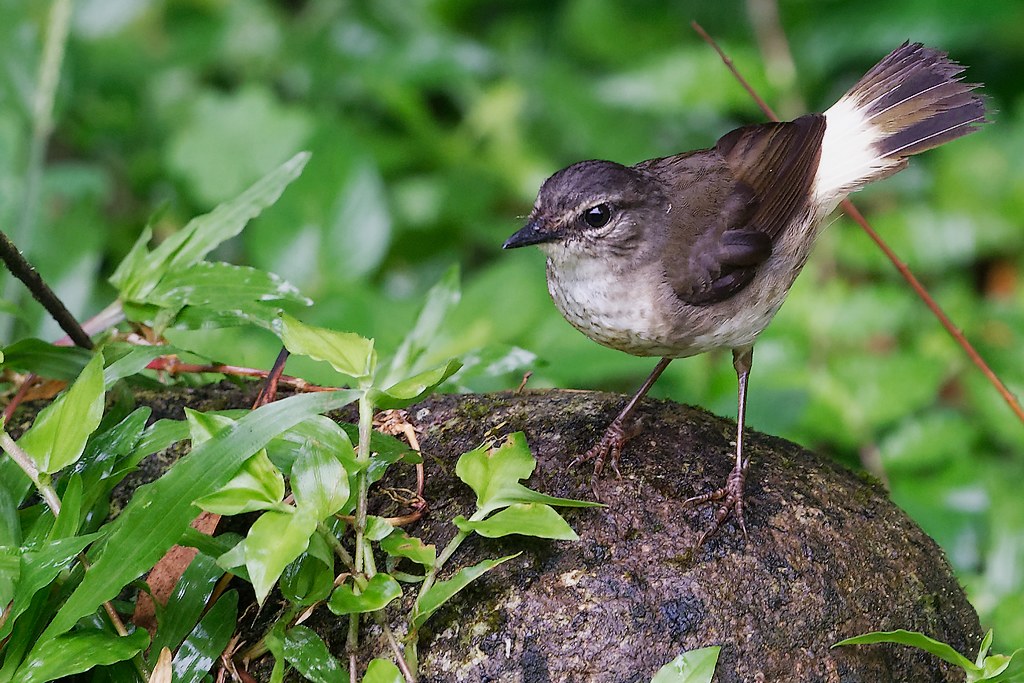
{"type": "Point", "coordinates": [531, 233]}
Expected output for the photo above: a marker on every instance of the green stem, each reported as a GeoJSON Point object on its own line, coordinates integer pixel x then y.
{"type": "Point", "coordinates": [336, 546]}
{"type": "Point", "coordinates": [362, 487]}
{"type": "Point", "coordinates": [28, 466]}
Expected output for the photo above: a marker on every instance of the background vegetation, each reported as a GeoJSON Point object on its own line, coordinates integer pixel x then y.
{"type": "Point", "coordinates": [431, 126]}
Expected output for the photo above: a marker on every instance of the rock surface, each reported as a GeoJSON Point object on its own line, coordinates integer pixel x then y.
{"type": "Point", "coordinates": [827, 557]}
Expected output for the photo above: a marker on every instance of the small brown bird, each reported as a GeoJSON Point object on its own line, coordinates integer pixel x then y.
{"type": "Point", "coordinates": [680, 255]}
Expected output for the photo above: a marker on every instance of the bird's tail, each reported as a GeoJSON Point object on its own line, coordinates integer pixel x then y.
{"type": "Point", "coordinates": [911, 101]}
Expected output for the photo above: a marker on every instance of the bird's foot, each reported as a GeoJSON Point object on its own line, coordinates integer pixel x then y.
{"type": "Point", "coordinates": [607, 450]}
{"type": "Point", "coordinates": [730, 499]}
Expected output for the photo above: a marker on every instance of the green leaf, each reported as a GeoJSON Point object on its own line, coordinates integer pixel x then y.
{"type": "Point", "coordinates": [380, 590]}
{"type": "Point", "coordinates": [70, 517]}
{"type": "Point", "coordinates": [222, 285]}
{"type": "Point", "coordinates": [319, 482]}
{"type": "Point", "coordinates": [273, 542]}
{"type": "Point", "coordinates": [527, 519]}
{"type": "Point", "coordinates": [401, 544]}
{"type": "Point", "coordinates": [305, 650]}
{"type": "Point", "coordinates": [45, 359]}
{"type": "Point", "coordinates": [140, 273]}
{"type": "Point", "coordinates": [377, 528]}
{"type": "Point", "coordinates": [415, 388]}
{"type": "Point", "coordinates": [58, 435]}
{"type": "Point", "coordinates": [187, 602]}
{"type": "Point", "coordinates": [918, 640]}
{"type": "Point", "coordinates": [695, 666]}
{"type": "Point", "coordinates": [441, 298]}
{"type": "Point", "coordinates": [1008, 669]}
{"type": "Point", "coordinates": [310, 578]}
{"type": "Point", "coordinates": [257, 486]}
{"type": "Point", "coordinates": [383, 671]}
{"type": "Point", "coordinates": [347, 352]}
{"type": "Point", "coordinates": [76, 652]}
{"type": "Point", "coordinates": [204, 645]}
{"type": "Point", "coordinates": [494, 474]}
{"type": "Point", "coordinates": [443, 591]}
{"type": "Point", "coordinates": [38, 567]}
{"type": "Point", "coordinates": [159, 513]}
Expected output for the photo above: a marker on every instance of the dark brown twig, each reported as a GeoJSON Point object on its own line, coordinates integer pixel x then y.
{"type": "Point", "coordinates": [41, 292]}
{"type": "Point", "coordinates": [914, 283]}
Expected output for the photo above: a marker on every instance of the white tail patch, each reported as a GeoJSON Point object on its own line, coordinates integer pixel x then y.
{"type": "Point", "coordinates": [849, 154]}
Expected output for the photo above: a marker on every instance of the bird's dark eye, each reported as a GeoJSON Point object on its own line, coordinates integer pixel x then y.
{"type": "Point", "coordinates": [597, 216]}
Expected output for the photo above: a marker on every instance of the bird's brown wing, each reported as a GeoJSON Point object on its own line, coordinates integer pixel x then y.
{"type": "Point", "coordinates": [732, 202]}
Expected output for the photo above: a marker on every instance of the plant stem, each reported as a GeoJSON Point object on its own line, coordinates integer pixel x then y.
{"type": "Point", "coordinates": [24, 461]}
{"type": "Point", "coordinates": [362, 486]}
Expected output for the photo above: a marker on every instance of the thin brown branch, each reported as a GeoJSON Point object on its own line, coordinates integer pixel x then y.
{"type": "Point", "coordinates": [41, 292]}
{"type": "Point", "coordinates": [173, 366]}
{"type": "Point", "coordinates": [914, 283]}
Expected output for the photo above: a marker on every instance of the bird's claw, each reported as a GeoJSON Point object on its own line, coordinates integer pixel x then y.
{"type": "Point", "coordinates": [731, 497]}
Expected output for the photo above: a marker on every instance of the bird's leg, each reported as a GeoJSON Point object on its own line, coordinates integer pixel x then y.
{"type": "Point", "coordinates": [731, 495]}
{"type": "Point", "coordinates": [610, 446]}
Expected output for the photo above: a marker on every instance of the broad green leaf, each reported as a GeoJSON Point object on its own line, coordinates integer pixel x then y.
{"type": "Point", "coordinates": [1012, 671]}
{"type": "Point", "coordinates": [415, 388]}
{"type": "Point", "coordinates": [443, 591]}
{"type": "Point", "coordinates": [37, 568]}
{"type": "Point", "coordinates": [317, 432]}
{"type": "Point", "coordinates": [204, 645]}
{"type": "Point", "coordinates": [441, 298]}
{"type": "Point", "coordinates": [319, 482]}
{"type": "Point", "coordinates": [695, 666]}
{"type": "Point", "coordinates": [70, 517]}
{"type": "Point", "coordinates": [132, 362]}
{"type": "Point", "coordinates": [305, 650]}
{"type": "Point", "coordinates": [204, 426]}
{"type": "Point", "coordinates": [310, 578]}
{"type": "Point", "coordinates": [273, 542]}
{"type": "Point", "coordinates": [383, 671]}
{"type": "Point", "coordinates": [527, 519]}
{"type": "Point", "coordinates": [377, 528]}
{"type": "Point", "coordinates": [45, 359]}
{"type": "Point", "coordinates": [80, 651]}
{"type": "Point", "coordinates": [380, 590]}
{"type": "Point", "coordinates": [187, 602]}
{"type": "Point", "coordinates": [494, 474]}
{"type": "Point", "coordinates": [257, 486]}
{"type": "Point", "coordinates": [10, 527]}
{"type": "Point", "coordinates": [159, 513]}
{"type": "Point", "coordinates": [222, 285]}
{"type": "Point", "coordinates": [918, 640]}
{"type": "Point", "coordinates": [347, 352]}
{"type": "Point", "coordinates": [58, 435]}
{"type": "Point", "coordinates": [140, 273]}
{"type": "Point", "coordinates": [401, 544]}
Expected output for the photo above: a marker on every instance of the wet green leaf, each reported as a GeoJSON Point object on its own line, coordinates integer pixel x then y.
{"type": "Point", "coordinates": [415, 388]}
{"type": "Point", "coordinates": [401, 544]}
{"type": "Point", "coordinates": [348, 353]}
{"type": "Point", "coordinates": [309, 578]}
{"type": "Point", "coordinates": [306, 651]}
{"type": "Point", "coordinates": [695, 666]}
{"type": "Point", "coordinates": [918, 640]}
{"type": "Point", "coordinates": [380, 590]}
{"type": "Point", "coordinates": [59, 433]}
{"type": "Point", "coordinates": [79, 651]}
{"type": "Point", "coordinates": [273, 542]}
{"type": "Point", "coordinates": [527, 519]}
{"type": "Point", "coordinates": [159, 513]}
{"type": "Point", "coordinates": [141, 271]}
{"type": "Point", "coordinates": [187, 602]}
{"type": "Point", "coordinates": [443, 591]}
{"type": "Point", "coordinates": [202, 648]}
{"type": "Point", "coordinates": [319, 482]}
{"type": "Point", "coordinates": [383, 671]}
{"type": "Point", "coordinates": [45, 359]}
{"type": "Point", "coordinates": [494, 474]}
{"type": "Point", "coordinates": [257, 486]}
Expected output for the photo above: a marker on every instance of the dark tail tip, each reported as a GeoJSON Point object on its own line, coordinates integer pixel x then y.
{"type": "Point", "coordinates": [916, 97]}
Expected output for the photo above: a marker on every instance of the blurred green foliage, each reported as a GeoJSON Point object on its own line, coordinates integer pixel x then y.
{"type": "Point", "coordinates": [432, 124]}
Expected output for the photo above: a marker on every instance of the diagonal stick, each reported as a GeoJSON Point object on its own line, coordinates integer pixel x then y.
{"type": "Point", "coordinates": [856, 215]}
